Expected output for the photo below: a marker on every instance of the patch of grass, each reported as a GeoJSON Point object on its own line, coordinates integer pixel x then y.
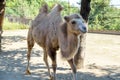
{"type": "Point", "coordinates": [13, 26]}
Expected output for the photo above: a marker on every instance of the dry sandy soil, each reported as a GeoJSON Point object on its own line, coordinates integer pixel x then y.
{"type": "Point", "coordinates": [102, 60]}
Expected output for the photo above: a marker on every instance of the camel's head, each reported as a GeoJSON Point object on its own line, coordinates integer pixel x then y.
{"type": "Point", "coordinates": [76, 24]}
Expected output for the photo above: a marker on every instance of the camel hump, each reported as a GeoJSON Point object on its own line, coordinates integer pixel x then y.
{"type": "Point", "coordinates": [44, 9]}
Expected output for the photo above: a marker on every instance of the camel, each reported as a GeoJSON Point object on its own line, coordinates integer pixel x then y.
{"type": "Point", "coordinates": [52, 33]}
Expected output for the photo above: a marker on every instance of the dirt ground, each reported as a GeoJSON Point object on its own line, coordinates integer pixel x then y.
{"type": "Point", "coordinates": [102, 60]}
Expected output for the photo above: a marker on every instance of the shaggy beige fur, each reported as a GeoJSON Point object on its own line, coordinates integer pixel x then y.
{"type": "Point", "coordinates": [52, 33]}
{"type": "Point", "coordinates": [45, 35]}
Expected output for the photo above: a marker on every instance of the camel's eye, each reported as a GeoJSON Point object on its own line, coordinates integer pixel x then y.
{"type": "Point", "coordinates": [73, 22]}
{"type": "Point", "coordinates": [78, 17]}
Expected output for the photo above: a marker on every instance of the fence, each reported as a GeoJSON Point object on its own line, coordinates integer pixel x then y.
{"type": "Point", "coordinates": [20, 20]}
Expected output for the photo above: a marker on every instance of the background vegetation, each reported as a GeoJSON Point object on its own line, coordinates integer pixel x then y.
{"type": "Point", "coordinates": [13, 26]}
{"type": "Point", "coordinates": [102, 15]}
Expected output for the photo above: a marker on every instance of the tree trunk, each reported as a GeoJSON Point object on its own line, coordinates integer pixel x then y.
{"type": "Point", "coordinates": [85, 9]}
{"type": "Point", "coordinates": [2, 11]}
{"type": "Point", "coordinates": [79, 57]}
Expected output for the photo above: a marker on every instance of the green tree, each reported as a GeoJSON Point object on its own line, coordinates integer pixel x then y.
{"type": "Point", "coordinates": [102, 16]}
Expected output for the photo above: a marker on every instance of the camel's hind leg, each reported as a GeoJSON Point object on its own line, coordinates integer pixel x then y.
{"type": "Point", "coordinates": [45, 58]}
{"type": "Point", "coordinates": [30, 44]}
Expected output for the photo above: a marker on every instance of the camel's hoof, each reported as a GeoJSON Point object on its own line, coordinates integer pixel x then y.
{"type": "Point", "coordinates": [52, 78]}
{"type": "Point", "coordinates": [27, 72]}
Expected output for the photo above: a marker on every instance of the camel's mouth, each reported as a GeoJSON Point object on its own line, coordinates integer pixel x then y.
{"type": "Point", "coordinates": [83, 29]}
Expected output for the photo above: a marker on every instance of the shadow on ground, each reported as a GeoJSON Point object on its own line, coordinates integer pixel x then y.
{"type": "Point", "coordinates": [13, 64]}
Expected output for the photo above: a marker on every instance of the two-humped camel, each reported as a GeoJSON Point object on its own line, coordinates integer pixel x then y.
{"type": "Point", "coordinates": [51, 33]}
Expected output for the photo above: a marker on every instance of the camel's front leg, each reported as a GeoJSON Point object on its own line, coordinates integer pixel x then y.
{"type": "Point", "coordinates": [73, 67]}
{"type": "Point", "coordinates": [30, 44]}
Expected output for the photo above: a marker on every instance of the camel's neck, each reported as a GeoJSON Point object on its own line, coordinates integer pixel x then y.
{"type": "Point", "coordinates": [70, 42]}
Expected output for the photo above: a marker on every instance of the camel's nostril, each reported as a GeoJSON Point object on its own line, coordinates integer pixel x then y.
{"type": "Point", "coordinates": [84, 28]}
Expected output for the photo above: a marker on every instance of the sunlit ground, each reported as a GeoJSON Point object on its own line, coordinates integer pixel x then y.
{"type": "Point", "coordinates": [102, 60]}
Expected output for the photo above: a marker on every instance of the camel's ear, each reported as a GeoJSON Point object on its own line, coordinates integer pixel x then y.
{"type": "Point", "coordinates": [44, 9]}
{"type": "Point", "coordinates": [66, 18]}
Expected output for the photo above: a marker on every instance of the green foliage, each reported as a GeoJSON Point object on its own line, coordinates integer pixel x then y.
{"type": "Point", "coordinates": [30, 8]}
{"type": "Point", "coordinates": [104, 17]}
